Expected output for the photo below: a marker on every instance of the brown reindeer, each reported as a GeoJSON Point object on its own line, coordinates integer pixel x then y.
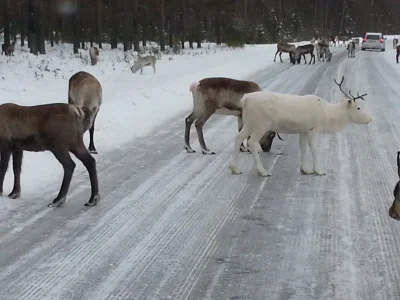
{"type": "Point", "coordinates": [7, 49]}
{"type": "Point", "coordinates": [221, 96]}
{"type": "Point", "coordinates": [85, 90]}
{"type": "Point", "coordinates": [57, 128]}
{"type": "Point", "coordinates": [94, 55]}
{"type": "Point", "coordinates": [284, 47]}
{"type": "Point", "coordinates": [394, 210]}
{"type": "Point", "coordinates": [302, 51]}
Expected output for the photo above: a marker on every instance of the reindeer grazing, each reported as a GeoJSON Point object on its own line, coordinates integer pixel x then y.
{"type": "Point", "coordinates": [142, 61]}
{"type": "Point", "coordinates": [394, 210]}
{"type": "Point", "coordinates": [7, 49]}
{"type": "Point", "coordinates": [284, 47]}
{"type": "Point", "coordinates": [351, 46]}
{"type": "Point", "coordinates": [308, 116]}
{"type": "Point", "coordinates": [56, 127]}
{"type": "Point", "coordinates": [302, 51]}
{"type": "Point", "coordinates": [221, 96]}
{"type": "Point", "coordinates": [85, 90]}
{"type": "Point", "coordinates": [94, 55]}
{"type": "Point", "coordinates": [395, 42]}
{"type": "Point", "coordinates": [397, 53]}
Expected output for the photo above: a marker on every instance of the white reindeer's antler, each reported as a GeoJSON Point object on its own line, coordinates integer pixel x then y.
{"type": "Point", "coordinates": [350, 96]}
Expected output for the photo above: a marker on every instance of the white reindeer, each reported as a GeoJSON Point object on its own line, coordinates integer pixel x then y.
{"type": "Point", "coordinates": [142, 61]}
{"type": "Point", "coordinates": [306, 116]}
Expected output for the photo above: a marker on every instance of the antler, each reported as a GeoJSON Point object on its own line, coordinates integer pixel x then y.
{"type": "Point", "coordinates": [358, 96]}
{"type": "Point", "coordinates": [340, 86]}
{"type": "Point", "coordinates": [350, 96]}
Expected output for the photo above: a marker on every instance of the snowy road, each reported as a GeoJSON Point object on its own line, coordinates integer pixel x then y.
{"type": "Point", "coordinates": [173, 225]}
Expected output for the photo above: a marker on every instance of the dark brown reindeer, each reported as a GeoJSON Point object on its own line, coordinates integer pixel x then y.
{"type": "Point", "coordinates": [85, 90]}
{"type": "Point", "coordinates": [394, 210]}
{"type": "Point", "coordinates": [286, 48]}
{"type": "Point", "coordinates": [7, 49]}
{"type": "Point", "coordinates": [221, 96]}
{"type": "Point", "coordinates": [302, 51]}
{"type": "Point", "coordinates": [57, 128]}
{"type": "Point", "coordinates": [397, 53]}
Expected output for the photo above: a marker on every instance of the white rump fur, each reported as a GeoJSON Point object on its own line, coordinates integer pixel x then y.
{"type": "Point", "coordinates": [307, 116]}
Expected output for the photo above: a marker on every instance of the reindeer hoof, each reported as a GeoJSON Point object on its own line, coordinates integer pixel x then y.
{"type": "Point", "coordinates": [319, 173]}
{"type": "Point", "coordinates": [93, 151]}
{"type": "Point", "coordinates": [207, 152]}
{"type": "Point", "coordinates": [234, 170]}
{"type": "Point", "coordinates": [264, 173]}
{"type": "Point", "coordinates": [306, 171]}
{"type": "Point", "coordinates": [189, 149]}
{"type": "Point", "coordinates": [93, 201]}
{"type": "Point", "coordinates": [14, 195]}
{"type": "Point", "coordinates": [57, 202]}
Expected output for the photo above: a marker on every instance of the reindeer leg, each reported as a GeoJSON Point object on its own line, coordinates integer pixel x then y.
{"type": "Point", "coordinates": [5, 159]}
{"type": "Point", "coordinates": [90, 163]}
{"type": "Point", "coordinates": [280, 56]}
{"type": "Point", "coordinates": [92, 148]}
{"type": "Point", "coordinates": [188, 123]}
{"type": "Point", "coordinates": [17, 163]}
{"type": "Point", "coordinates": [62, 155]}
{"type": "Point", "coordinates": [199, 127]}
{"type": "Point", "coordinates": [243, 148]}
{"type": "Point", "coordinates": [275, 55]}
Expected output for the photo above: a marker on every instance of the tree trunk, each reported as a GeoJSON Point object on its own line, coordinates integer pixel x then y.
{"type": "Point", "coordinates": [99, 23]}
{"type": "Point", "coordinates": [218, 18]}
{"type": "Point", "coordinates": [114, 23]}
{"type": "Point", "coordinates": [198, 24]}
{"type": "Point", "coordinates": [161, 29]}
{"type": "Point", "coordinates": [183, 23]}
{"type": "Point", "coordinates": [6, 22]}
{"type": "Point", "coordinates": [32, 39]}
{"type": "Point", "coordinates": [40, 22]}
{"type": "Point", "coordinates": [136, 29]}
{"type": "Point", "coordinates": [75, 25]}
{"type": "Point", "coordinates": [127, 25]}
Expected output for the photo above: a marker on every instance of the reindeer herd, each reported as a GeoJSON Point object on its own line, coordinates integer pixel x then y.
{"type": "Point", "coordinates": [319, 46]}
{"type": "Point", "coordinates": [261, 116]}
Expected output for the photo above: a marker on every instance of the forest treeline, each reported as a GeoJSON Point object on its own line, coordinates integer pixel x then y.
{"type": "Point", "coordinates": [171, 22]}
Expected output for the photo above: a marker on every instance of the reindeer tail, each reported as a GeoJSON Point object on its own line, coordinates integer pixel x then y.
{"type": "Point", "coordinates": [398, 163]}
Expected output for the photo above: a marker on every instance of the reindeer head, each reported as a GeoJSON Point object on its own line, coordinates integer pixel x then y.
{"type": "Point", "coordinates": [355, 113]}
{"type": "Point", "coordinates": [394, 210]}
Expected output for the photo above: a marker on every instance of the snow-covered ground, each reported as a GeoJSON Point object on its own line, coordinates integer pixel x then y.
{"type": "Point", "coordinates": [173, 225]}
{"type": "Point", "coordinates": [133, 104]}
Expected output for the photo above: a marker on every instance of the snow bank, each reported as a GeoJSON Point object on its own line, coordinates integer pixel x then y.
{"type": "Point", "coordinates": [133, 104]}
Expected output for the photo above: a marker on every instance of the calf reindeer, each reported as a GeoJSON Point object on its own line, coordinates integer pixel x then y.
{"type": "Point", "coordinates": [394, 210]}
{"type": "Point", "coordinates": [85, 90]}
{"type": "Point", "coordinates": [284, 47]}
{"type": "Point", "coordinates": [142, 61]}
{"type": "Point", "coordinates": [94, 55]}
{"type": "Point", "coordinates": [221, 96]}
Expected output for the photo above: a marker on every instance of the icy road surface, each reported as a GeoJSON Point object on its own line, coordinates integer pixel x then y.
{"type": "Point", "coordinates": [173, 225]}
